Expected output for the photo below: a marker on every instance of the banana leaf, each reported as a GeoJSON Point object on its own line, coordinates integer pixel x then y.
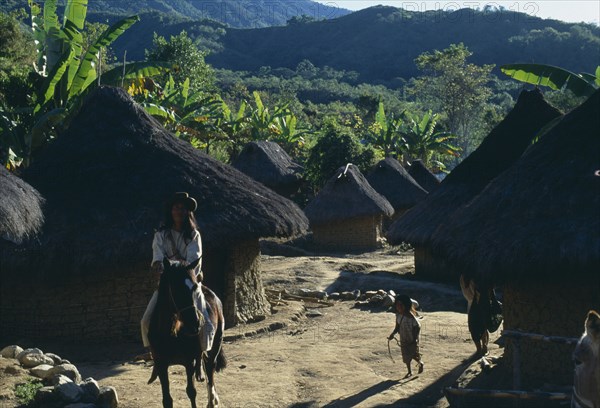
{"type": "Point", "coordinates": [86, 74]}
{"type": "Point", "coordinates": [380, 118]}
{"type": "Point", "coordinates": [39, 37]}
{"type": "Point", "coordinates": [47, 92]}
{"type": "Point", "coordinates": [43, 126]}
{"type": "Point", "coordinates": [75, 12]}
{"type": "Point", "coordinates": [593, 78]}
{"type": "Point", "coordinates": [159, 111]}
{"type": "Point", "coordinates": [134, 70]}
{"type": "Point", "coordinates": [547, 75]}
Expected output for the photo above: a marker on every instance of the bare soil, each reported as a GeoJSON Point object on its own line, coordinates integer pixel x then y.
{"type": "Point", "coordinates": [337, 357]}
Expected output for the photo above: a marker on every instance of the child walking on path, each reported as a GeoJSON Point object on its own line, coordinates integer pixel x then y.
{"type": "Point", "coordinates": [409, 329]}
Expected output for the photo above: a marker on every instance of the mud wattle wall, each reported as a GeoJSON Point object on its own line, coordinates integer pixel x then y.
{"type": "Point", "coordinates": [551, 309]}
{"type": "Point", "coordinates": [110, 305]}
{"type": "Point", "coordinates": [90, 307]}
{"type": "Point", "coordinates": [352, 234]}
{"type": "Point", "coordinates": [234, 274]}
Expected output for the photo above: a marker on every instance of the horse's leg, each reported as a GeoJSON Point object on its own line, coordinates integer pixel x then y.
{"type": "Point", "coordinates": [163, 375]}
{"type": "Point", "coordinates": [210, 365]}
{"type": "Point", "coordinates": [190, 389]}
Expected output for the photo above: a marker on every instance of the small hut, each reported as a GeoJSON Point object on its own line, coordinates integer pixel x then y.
{"type": "Point", "coordinates": [347, 213]}
{"type": "Point", "coordinates": [535, 231]}
{"type": "Point", "coordinates": [389, 179]}
{"type": "Point", "coordinates": [21, 214]}
{"type": "Point", "coordinates": [105, 182]}
{"type": "Point", "coordinates": [500, 149]}
{"type": "Point", "coordinates": [421, 174]}
{"type": "Point", "coordinates": [267, 163]}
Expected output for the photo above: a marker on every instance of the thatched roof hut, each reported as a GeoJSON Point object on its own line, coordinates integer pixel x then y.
{"type": "Point", "coordinates": [389, 179]}
{"type": "Point", "coordinates": [267, 163]}
{"type": "Point", "coordinates": [106, 180]}
{"type": "Point", "coordinates": [535, 230]}
{"type": "Point", "coordinates": [347, 212]}
{"type": "Point", "coordinates": [421, 174]}
{"type": "Point", "coordinates": [500, 149]}
{"type": "Point", "coordinates": [21, 214]}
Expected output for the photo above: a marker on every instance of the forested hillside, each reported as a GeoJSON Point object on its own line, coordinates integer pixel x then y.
{"type": "Point", "coordinates": [381, 43]}
{"type": "Point", "coordinates": [249, 13]}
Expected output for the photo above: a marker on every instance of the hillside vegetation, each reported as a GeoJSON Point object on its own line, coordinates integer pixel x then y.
{"type": "Point", "coordinates": [381, 43]}
{"type": "Point", "coordinates": [249, 13]}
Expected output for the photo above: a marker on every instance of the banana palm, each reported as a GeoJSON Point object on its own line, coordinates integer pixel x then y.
{"type": "Point", "coordinates": [69, 69]}
{"type": "Point", "coordinates": [421, 139]}
{"type": "Point", "coordinates": [192, 116]}
{"type": "Point", "coordinates": [384, 134]}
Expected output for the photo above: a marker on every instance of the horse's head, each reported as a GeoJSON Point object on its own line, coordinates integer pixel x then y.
{"type": "Point", "coordinates": [179, 282]}
{"type": "Point", "coordinates": [587, 364]}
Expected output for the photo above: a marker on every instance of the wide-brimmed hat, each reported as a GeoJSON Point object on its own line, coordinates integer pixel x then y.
{"type": "Point", "coordinates": [184, 198]}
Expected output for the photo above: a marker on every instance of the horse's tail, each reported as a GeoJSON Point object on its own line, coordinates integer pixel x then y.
{"type": "Point", "coordinates": [221, 361]}
{"type": "Point", "coordinates": [154, 375]}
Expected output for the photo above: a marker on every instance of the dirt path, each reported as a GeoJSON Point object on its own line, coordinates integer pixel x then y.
{"type": "Point", "coordinates": [338, 359]}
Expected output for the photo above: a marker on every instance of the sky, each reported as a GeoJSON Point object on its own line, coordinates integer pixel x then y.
{"type": "Point", "coordinates": [587, 11]}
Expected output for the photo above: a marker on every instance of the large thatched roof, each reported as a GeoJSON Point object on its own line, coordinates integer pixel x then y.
{"type": "Point", "coordinates": [345, 196]}
{"type": "Point", "coordinates": [540, 218]}
{"type": "Point", "coordinates": [500, 149]}
{"type": "Point", "coordinates": [421, 174]}
{"type": "Point", "coordinates": [389, 179]}
{"type": "Point", "coordinates": [269, 164]}
{"type": "Point", "coordinates": [21, 214]}
{"type": "Point", "coordinates": [107, 178]}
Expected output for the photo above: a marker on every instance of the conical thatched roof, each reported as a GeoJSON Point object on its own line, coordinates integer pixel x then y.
{"type": "Point", "coordinates": [269, 164]}
{"type": "Point", "coordinates": [389, 179]}
{"type": "Point", "coordinates": [499, 150]}
{"type": "Point", "coordinates": [541, 217]}
{"type": "Point", "coordinates": [421, 174]}
{"type": "Point", "coordinates": [107, 178]}
{"type": "Point", "coordinates": [21, 214]}
{"type": "Point", "coordinates": [345, 196]}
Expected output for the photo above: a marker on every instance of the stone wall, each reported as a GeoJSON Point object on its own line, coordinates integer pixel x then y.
{"type": "Point", "coordinates": [552, 309]}
{"type": "Point", "coordinates": [92, 307]}
{"type": "Point", "coordinates": [354, 234]}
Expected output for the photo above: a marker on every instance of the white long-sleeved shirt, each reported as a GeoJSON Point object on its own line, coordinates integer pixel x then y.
{"type": "Point", "coordinates": [177, 247]}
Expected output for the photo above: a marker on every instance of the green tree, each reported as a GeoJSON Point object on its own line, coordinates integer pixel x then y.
{"type": "Point", "coordinates": [17, 52]}
{"type": "Point", "coordinates": [453, 87]}
{"type": "Point", "coordinates": [187, 59]}
{"type": "Point", "coordinates": [334, 148]}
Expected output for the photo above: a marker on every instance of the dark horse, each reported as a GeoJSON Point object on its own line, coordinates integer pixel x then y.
{"type": "Point", "coordinates": [175, 329]}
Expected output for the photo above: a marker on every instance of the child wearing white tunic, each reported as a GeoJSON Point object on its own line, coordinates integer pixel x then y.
{"type": "Point", "coordinates": [409, 329]}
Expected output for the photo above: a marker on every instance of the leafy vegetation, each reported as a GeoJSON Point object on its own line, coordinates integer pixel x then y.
{"type": "Point", "coordinates": [352, 105]}
{"type": "Point", "coordinates": [187, 59]}
{"type": "Point", "coordinates": [380, 43]}
{"type": "Point", "coordinates": [65, 67]}
{"type": "Point", "coordinates": [336, 146]}
{"type": "Point", "coordinates": [453, 87]}
{"type": "Point", "coordinates": [26, 392]}
{"type": "Point", "coordinates": [261, 13]}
